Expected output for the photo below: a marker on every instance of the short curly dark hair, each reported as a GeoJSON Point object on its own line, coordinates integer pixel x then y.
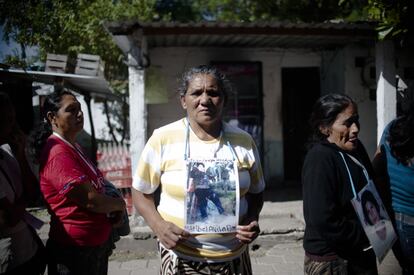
{"type": "Point", "coordinates": [222, 81]}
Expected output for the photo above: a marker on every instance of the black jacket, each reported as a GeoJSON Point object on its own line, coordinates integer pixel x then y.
{"type": "Point", "coordinates": [332, 225]}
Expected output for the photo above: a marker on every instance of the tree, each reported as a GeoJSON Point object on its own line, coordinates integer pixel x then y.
{"type": "Point", "coordinates": [71, 27]}
{"type": "Point", "coordinates": [291, 10]}
{"type": "Point", "coordinates": [394, 18]}
{"type": "Point", "coordinates": [75, 26]}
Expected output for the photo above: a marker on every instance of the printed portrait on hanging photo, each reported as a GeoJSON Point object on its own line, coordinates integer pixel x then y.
{"type": "Point", "coordinates": [211, 196]}
{"type": "Point", "coordinates": [372, 214]}
{"type": "Point", "coordinates": [375, 220]}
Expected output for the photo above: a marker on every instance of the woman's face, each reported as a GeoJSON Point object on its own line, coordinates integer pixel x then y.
{"type": "Point", "coordinates": [203, 100]}
{"type": "Point", "coordinates": [344, 131]}
{"type": "Point", "coordinates": [373, 214]}
{"type": "Point", "coordinates": [68, 120]}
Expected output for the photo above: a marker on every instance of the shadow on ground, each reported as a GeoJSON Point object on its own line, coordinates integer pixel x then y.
{"type": "Point", "coordinates": [287, 191]}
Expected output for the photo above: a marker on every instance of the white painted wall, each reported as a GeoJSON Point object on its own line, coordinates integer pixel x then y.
{"type": "Point", "coordinates": [99, 119]}
{"type": "Point", "coordinates": [332, 71]}
{"type": "Point", "coordinates": [386, 91]}
{"type": "Point", "coordinates": [137, 114]}
{"type": "Point", "coordinates": [354, 88]}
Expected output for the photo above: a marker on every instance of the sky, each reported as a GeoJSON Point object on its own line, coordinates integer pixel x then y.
{"type": "Point", "coordinates": [12, 48]}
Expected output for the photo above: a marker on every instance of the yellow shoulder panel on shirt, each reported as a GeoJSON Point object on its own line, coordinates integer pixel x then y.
{"type": "Point", "coordinates": [175, 220]}
{"type": "Point", "coordinates": [146, 173]}
{"type": "Point", "coordinates": [209, 254]}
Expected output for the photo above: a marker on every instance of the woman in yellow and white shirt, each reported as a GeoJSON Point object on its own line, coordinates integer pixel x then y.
{"type": "Point", "coordinates": [201, 135]}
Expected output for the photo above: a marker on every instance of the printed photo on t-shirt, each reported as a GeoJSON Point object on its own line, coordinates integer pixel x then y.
{"type": "Point", "coordinates": [212, 196]}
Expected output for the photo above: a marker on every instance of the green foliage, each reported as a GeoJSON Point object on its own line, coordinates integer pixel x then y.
{"type": "Point", "coordinates": [393, 18]}
{"type": "Point", "coordinates": [15, 61]}
{"type": "Point", "coordinates": [270, 10]}
{"type": "Point", "coordinates": [72, 26]}
{"type": "Point", "coordinates": [75, 26]}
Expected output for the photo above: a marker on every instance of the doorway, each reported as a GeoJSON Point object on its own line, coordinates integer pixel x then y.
{"type": "Point", "coordinates": [300, 90]}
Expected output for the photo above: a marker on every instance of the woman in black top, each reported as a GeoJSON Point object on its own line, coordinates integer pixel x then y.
{"type": "Point", "coordinates": [334, 241]}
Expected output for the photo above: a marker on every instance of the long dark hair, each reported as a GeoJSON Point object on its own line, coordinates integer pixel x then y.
{"type": "Point", "coordinates": [324, 114]}
{"type": "Point", "coordinates": [52, 104]}
{"type": "Point", "coordinates": [401, 132]}
{"type": "Point", "coordinates": [222, 81]}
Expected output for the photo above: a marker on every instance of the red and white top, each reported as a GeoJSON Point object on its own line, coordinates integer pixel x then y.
{"type": "Point", "coordinates": [62, 167]}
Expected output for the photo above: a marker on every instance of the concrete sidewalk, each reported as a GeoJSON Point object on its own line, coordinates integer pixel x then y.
{"type": "Point", "coordinates": [283, 257]}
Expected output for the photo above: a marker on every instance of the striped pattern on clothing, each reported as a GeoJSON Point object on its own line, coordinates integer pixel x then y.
{"type": "Point", "coordinates": [337, 266]}
{"type": "Point", "coordinates": [162, 162]}
{"type": "Point", "coordinates": [172, 265]}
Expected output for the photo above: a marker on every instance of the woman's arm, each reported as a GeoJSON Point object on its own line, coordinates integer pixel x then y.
{"type": "Point", "coordinates": [249, 228]}
{"type": "Point", "coordinates": [168, 233]}
{"type": "Point", "coordinates": [381, 177]}
{"type": "Point", "coordinates": [255, 203]}
{"type": "Point", "coordinates": [86, 196]}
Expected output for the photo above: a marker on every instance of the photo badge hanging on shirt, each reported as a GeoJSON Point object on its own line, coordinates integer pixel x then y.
{"type": "Point", "coordinates": [212, 196]}
{"type": "Point", "coordinates": [375, 220]}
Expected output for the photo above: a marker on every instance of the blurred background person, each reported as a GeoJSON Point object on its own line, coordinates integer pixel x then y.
{"type": "Point", "coordinates": [21, 250]}
{"type": "Point", "coordinates": [201, 135]}
{"type": "Point", "coordinates": [394, 164]}
{"type": "Point", "coordinates": [334, 240]}
{"type": "Point", "coordinates": [81, 214]}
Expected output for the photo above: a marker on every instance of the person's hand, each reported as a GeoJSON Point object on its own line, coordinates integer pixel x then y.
{"type": "Point", "coordinates": [169, 234]}
{"type": "Point", "coordinates": [248, 233]}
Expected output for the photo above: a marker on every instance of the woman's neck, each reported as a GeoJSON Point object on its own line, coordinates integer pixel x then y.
{"type": "Point", "coordinates": [206, 132]}
{"type": "Point", "coordinates": [69, 138]}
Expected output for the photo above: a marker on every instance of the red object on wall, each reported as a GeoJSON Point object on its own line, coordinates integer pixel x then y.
{"type": "Point", "coordinates": [114, 161]}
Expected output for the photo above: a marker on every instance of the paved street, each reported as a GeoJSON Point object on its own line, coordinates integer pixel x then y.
{"type": "Point", "coordinates": [278, 250]}
{"type": "Point", "coordinates": [274, 256]}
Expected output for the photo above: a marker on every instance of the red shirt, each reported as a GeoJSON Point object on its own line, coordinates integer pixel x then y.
{"type": "Point", "coordinates": [61, 169]}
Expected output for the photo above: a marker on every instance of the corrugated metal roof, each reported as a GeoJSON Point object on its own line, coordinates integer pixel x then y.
{"type": "Point", "coordinates": [258, 34]}
{"type": "Point", "coordinates": [96, 87]}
